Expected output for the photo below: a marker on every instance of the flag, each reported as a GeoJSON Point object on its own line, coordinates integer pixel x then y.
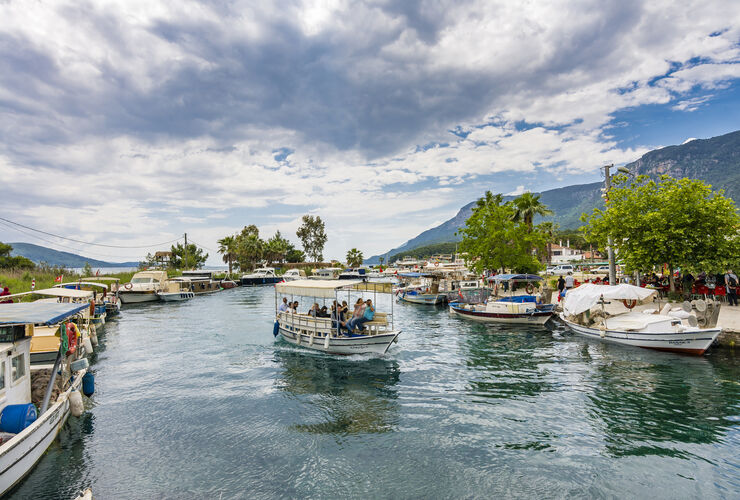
{"type": "Point", "coordinates": [58, 279]}
{"type": "Point", "coordinates": [97, 273]}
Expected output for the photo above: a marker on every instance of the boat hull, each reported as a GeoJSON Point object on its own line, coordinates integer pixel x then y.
{"type": "Point", "coordinates": [536, 318]}
{"type": "Point", "coordinates": [692, 342]}
{"type": "Point", "coordinates": [424, 299]}
{"type": "Point", "coordinates": [19, 455]}
{"type": "Point", "coordinates": [366, 344]}
{"type": "Point", "coordinates": [138, 297]}
{"type": "Point", "coordinates": [260, 281]}
{"type": "Point", "coordinates": [175, 296]}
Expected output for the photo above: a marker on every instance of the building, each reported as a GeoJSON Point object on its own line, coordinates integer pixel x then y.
{"type": "Point", "coordinates": [560, 254]}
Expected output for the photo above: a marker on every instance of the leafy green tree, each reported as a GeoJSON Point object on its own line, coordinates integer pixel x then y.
{"type": "Point", "coordinates": [277, 248]}
{"type": "Point", "coordinates": [7, 261]}
{"type": "Point", "coordinates": [354, 258]}
{"type": "Point", "coordinates": [678, 222]}
{"type": "Point", "coordinates": [87, 270]}
{"type": "Point", "coordinates": [493, 239]}
{"type": "Point", "coordinates": [227, 248]}
{"type": "Point", "coordinates": [312, 234]}
{"type": "Point", "coordinates": [526, 207]}
{"type": "Point", "coordinates": [250, 249]}
{"type": "Point", "coordinates": [193, 258]}
{"type": "Point", "coordinates": [294, 255]}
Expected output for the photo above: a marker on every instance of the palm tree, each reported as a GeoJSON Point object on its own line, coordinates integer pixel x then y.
{"type": "Point", "coordinates": [227, 247]}
{"type": "Point", "coordinates": [527, 206]}
{"type": "Point", "coordinates": [354, 258]}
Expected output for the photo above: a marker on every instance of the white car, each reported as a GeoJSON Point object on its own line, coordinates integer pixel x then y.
{"type": "Point", "coordinates": [600, 270]}
{"type": "Point", "coordinates": [561, 270]}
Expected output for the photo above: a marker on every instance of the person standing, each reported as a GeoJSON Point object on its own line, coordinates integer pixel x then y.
{"type": "Point", "coordinates": [561, 285]}
{"type": "Point", "coordinates": [569, 282]}
{"type": "Point", "coordinates": [731, 287]}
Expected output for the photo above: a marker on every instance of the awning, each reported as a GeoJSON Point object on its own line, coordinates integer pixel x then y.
{"type": "Point", "coordinates": [65, 292]}
{"type": "Point", "coordinates": [325, 289]}
{"type": "Point", "coordinates": [38, 313]}
{"type": "Point", "coordinates": [74, 285]}
{"type": "Point", "coordinates": [583, 298]}
{"type": "Point", "coordinates": [515, 277]}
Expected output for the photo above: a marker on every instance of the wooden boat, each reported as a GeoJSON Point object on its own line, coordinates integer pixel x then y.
{"type": "Point", "coordinates": [228, 284]}
{"type": "Point", "coordinates": [512, 309]}
{"type": "Point", "coordinates": [420, 288]}
{"type": "Point", "coordinates": [323, 334]}
{"type": "Point", "coordinates": [143, 287]}
{"type": "Point", "coordinates": [665, 331]}
{"type": "Point", "coordinates": [110, 297]}
{"type": "Point", "coordinates": [99, 292]}
{"type": "Point", "coordinates": [21, 450]}
{"type": "Point", "coordinates": [201, 281]}
{"type": "Point", "coordinates": [176, 290]}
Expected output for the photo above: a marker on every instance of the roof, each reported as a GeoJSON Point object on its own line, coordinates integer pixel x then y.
{"type": "Point", "coordinates": [101, 278]}
{"type": "Point", "coordinates": [314, 288]}
{"type": "Point", "coordinates": [515, 277]}
{"type": "Point", "coordinates": [38, 312]}
{"type": "Point", "coordinates": [74, 284]}
{"type": "Point", "coordinates": [65, 292]}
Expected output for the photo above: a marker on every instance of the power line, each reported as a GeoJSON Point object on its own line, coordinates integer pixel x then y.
{"type": "Point", "coordinates": [88, 242]}
{"type": "Point", "coordinates": [202, 246]}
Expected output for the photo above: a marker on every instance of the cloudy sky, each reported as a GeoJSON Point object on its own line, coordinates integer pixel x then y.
{"type": "Point", "coordinates": [132, 122]}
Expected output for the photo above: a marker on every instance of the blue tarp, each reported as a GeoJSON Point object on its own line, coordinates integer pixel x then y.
{"type": "Point", "coordinates": [515, 277]}
{"type": "Point", "coordinates": [38, 313]}
{"type": "Point", "coordinates": [412, 275]}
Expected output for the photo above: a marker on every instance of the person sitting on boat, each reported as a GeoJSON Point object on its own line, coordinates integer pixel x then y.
{"type": "Point", "coordinates": [314, 311]}
{"type": "Point", "coordinates": [367, 315]}
{"type": "Point", "coordinates": [337, 319]}
{"type": "Point", "coordinates": [295, 307]}
{"type": "Point", "coordinates": [284, 306]}
{"type": "Point", "coordinates": [6, 291]}
{"type": "Point", "coordinates": [323, 313]}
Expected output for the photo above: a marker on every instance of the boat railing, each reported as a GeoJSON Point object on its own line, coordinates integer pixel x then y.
{"type": "Point", "coordinates": [307, 324]}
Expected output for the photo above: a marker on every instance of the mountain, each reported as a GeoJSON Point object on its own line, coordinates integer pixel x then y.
{"type": "Point", "coordinates": [715, 161]}
{"type": "Point", "coordinates": [56, 258]}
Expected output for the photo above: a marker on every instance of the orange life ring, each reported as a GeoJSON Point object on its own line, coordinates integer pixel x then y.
{"type": "Point", "coordinates": [629, 304]}
{"type": "Point", "coordinates": [128, 286]}
{"type": "Point", "coordinates": [72, 333]}
{"type": "Point", "coordinates": [436, 264]}
{"type": "Point", "coordinates": [529, 288]}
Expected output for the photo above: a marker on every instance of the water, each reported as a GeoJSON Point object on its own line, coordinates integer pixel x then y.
{"type": "Point", "coordinates": [196, 400]}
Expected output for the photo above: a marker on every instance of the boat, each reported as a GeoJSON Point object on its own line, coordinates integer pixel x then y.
{"type": "Point", "coordinates": [228, 284]}
{"type": "Point", "coordinates": [143, 287]}
{"type": "Point", "coordinates": [353, 274]}
{"type": "Point", "coordinates": [425, 290]}
{"type": "Point", "coordinates": [202, 281]}
{"type": "Point", "coordinates": [24, 443]}
{"type": "Point", "coordinates": [294, 274]}
{"type": "Point", "coordinates": [522, 308]}
{"type": "Point", "coordinates": [176, 290]}
{"type": "Point", "coordinates": [665, 330]}
{"type": "Point", "coordinates": [261, 276]}
{"type": "Point", "coordinates": [326, 273]}
{"type": "Point", "coordinates": [110, 297]}
{"type": "Point", "coordinates": [322, 334]}
{"type": "Point", "coordinates": [98, 295]}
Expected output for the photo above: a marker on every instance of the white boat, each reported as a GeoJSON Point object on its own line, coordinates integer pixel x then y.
{"type": "Point", "coordinates": [143, 287]}
{"type": "Point", "coordinates": [261, 276]}
{"type": "Point", "coordinates": [21, 450]}
{"type": "Point", "coordinates": [525, 309]}
{"type": "Point", "coordinates": [420, 288]}
{"type": "Point", "coordinates": [326, 273]}
{"type": "Point", "coordinates": [110, 296]}
{"type": "Point", "coordinates": [176, 290]}
{"type": "Point", "coordinates": [202, 281]}
{"type": "Point", "coordinates": [668, 330]}
{"type": "Point", "coordinates": [323, 334]}
{"type": "Point", "coordinates": [294, 274]}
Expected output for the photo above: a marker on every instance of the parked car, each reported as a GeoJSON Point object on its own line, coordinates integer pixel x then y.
{"type": "Point", "coordinates": [600, 270]}
{"type": "Point", "coordinates": [561, 270]}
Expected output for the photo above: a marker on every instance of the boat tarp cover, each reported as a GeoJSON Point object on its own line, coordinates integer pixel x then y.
{"type": "Point", "coordinates": [515, 277]}
{"type": "Point", "coordinates": [325, 289]}
{"type": "Point", "coordinates": [38, 313]}
{"type": "Point", "coordinates": [74, 284]}
{"type": "Point", "coordinates": [65, 292]}
{"type": "Point", "coordinates": [588, 295]}
{"type": "Point", "coordinates": [413, 275]}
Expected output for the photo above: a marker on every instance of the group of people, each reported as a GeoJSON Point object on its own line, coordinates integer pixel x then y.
{"type": "Point", "coordinates": [341, 317]}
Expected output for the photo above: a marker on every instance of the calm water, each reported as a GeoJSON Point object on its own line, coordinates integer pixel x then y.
{"type": "Point", "coordinates": [197, 400]}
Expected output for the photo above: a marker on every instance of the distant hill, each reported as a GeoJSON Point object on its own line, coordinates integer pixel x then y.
{"type": "Point", "coordinates": [715, 160]}
{"type": "Point", "coordinates": [56, 258]}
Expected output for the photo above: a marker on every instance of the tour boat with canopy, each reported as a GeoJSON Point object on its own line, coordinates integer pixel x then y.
{"type": "Point", "coordinates": [25, 433]}
{"type": "Point", "coordinates": [665, 330]}
{"type": "Point", "coordinates": [325, 334]}
{"type": "Point", "coordinates": [526, 308]}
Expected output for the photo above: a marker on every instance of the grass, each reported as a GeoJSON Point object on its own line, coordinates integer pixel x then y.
{"type": "Point", "coordinates": [19, 280]}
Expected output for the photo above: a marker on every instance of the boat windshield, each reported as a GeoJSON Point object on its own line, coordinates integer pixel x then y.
{"type": "Point", "coordinates": [142, 280]}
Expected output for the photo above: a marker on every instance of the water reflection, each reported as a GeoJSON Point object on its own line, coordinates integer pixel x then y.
{"type": "Point", "coordinates": [351, 396]}
{"type": "Point", "coordinates": [642, 399]}
{"type": "Point", "coordinates": [507, 361]}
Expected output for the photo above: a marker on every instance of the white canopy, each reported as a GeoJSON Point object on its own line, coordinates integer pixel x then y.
{"type": "Point", "coordinates": [65, 292]}
{"type": "Point", "coordinates": [325, 289]}
{"type": "Point", "coordinates": [588, 295]}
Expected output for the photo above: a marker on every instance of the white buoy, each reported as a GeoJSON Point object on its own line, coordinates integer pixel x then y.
{"type": "Point", "coordinates": [76, 407]}
{"type": "Point", "coordinates": [310, 340]}
{"type": "Point", "coordinates": [326, 341]}
{"type": "Point", "coordinates": [298, 338]}
{"type": "Point", "coordinates": [85, 495]}
{"type": "Point", "coordinates": [88, 345]}
{"type": "Point", "coordinates": [94, 335]}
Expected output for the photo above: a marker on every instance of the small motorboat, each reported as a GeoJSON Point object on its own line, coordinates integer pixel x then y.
{"type": "Point", "coordinates": [177, 290]}
{"type": "Point", "coordinates": [294, 275]}
{"type": "Point", "coordinates": [143, 287]}
{"type": "Point", "coordinates": [261, 276]}
{"type": "Point", "coordinates": [228, 284]}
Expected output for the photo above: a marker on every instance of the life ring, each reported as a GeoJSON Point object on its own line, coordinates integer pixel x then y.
{"type": "Point", "coordinates": [529, 288]}
{"type": "Point", "coordinates": [629, 304]}
{"type": "Point", "coordinates": [72, 334]}
{"type": "Point", "coordinates": [436, 264]}
{"type": "Point", "coordinates": [128, 286]}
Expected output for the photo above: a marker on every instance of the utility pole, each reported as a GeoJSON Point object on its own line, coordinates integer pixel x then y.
{"type": "Point", "coordinates": [610, 249]}
{"type": "Point", "coordinates": [185, 259]}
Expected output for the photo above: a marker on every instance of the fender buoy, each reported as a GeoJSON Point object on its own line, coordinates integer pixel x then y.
{"type": "Point", "coordinates": [326, 342]}
{"type": "Point", "coordinates": [629, 304]}
{"type": "Point", "coordinates": [88, 384]}
{"type": "Point", "coordinates": [529, 288]}
{"type": "Point", "coordinates": [76, 406]}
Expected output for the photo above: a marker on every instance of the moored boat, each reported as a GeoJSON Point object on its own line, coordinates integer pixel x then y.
{"type": "Point", "coordinates": [420, 288]}
{"type": "Point", "coordinates": [29, 432]}
{"type": "Point", "coordinates": [294, 274]}
{"type": "Point", "coordinates": [261, 276]}
{"type": "Point", "coordinates": [202, 281]}
{"type": "Point", "coordinates": [143, 287]}
{"type": "Point", "coordinates": [110, 296]}
{"type": "Point", "coordinates": [176, 290]}
{"type": "Point", "coordinates": [325, 334]}
{"type": "Point", "coordinates": [667, 330]}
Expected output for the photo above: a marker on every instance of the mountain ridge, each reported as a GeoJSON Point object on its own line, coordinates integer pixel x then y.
{"type": "Point", "coordinates": [711, 160]}
{"type": "Point", "coordinates": [39, 254]}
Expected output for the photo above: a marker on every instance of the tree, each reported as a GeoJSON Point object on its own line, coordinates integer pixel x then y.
{"type": "Point", "coordinates": [354, 258]}
{"type": "Point", "coordinates": [313, 236]}
{"type": "Point", "coordinates": [493, 240]}
{"type": "Point", "coordinates": [677, 222]}
{"type": "Point", "coordinates": [193, 258]}
{"type": "Point", "coordinates": [277, 248]}
{"type": "Point", "coordinates": [7, 261]}
{"type": "Point", "coordinates": [527, 206]}
{"type": "Point", "coordinates": [87, 270]}
{"type": "Point", "coordinates": [227, 248]}
{"type": "Point", "coordinates": [250, 249]}
{"type": "Point", "coordinates": [294, 255]}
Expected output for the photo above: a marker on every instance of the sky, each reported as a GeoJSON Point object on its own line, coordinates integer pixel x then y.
{"type": "Point", "coordinates": [130, 123]}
